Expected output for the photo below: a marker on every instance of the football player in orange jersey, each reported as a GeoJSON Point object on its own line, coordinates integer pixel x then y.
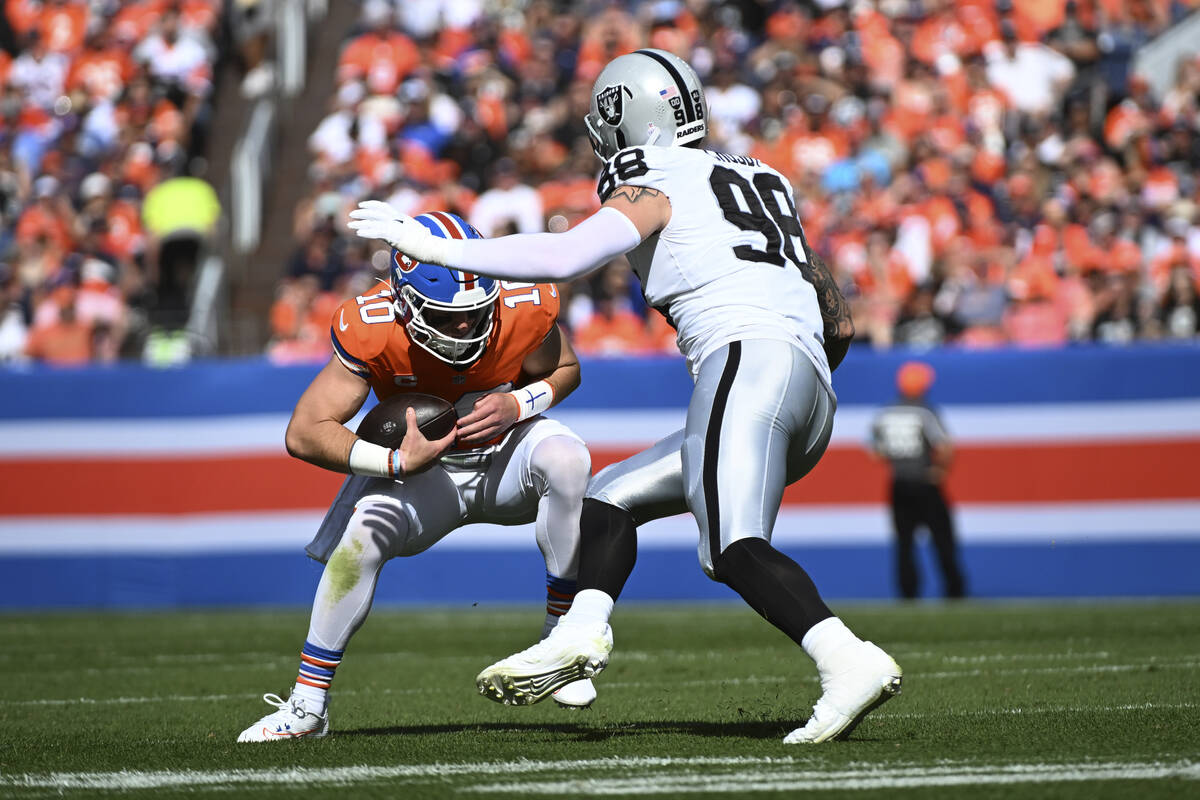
{"type": "Point", "coordinates": [494, 350]}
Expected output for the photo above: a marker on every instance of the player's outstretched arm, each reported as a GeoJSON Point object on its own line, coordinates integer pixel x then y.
{"type": "Point", "coordinates": [540, 257]}
{"type": "Point", "coordinates": [835, 312]}
{"type": "Point", "coordinates": [553, 370]}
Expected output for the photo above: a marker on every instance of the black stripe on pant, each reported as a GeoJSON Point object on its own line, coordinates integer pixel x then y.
{"type": "Point", "coordinates": [712, 449]}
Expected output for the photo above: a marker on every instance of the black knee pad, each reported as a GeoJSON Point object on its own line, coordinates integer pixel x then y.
{"type": "Point", "coordinates": [742, 560]}
{"type": "Point", "coordinates": [607, 547]}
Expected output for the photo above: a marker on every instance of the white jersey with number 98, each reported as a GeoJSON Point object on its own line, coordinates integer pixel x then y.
{"type": "Point", "coordinates": [727, 265]}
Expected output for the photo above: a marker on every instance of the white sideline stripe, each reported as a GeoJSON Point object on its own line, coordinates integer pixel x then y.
{"type": "Point", "coordinates": [263, 433]}
{"type": "Point", "coordinates": [846, 780]}
{"type": "Point", "coordinates": [769, 774]}
{"type": "Point", "coordinates": [1011, 424]}
{"type": "Point", "coordinates": [173, 436]}
{"type": "Point", "coordinates": [1046, 524]}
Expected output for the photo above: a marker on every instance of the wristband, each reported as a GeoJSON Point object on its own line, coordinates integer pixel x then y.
{"type": "Point", "coordinates": [533, 399]}
{"type": "Point", "coordinates": [375, 461]}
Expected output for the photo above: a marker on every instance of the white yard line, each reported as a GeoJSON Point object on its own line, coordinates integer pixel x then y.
{"type": "Point", "coordinates": [812, 780]}
{"type": "Point", "coordinates": [198, 698]}
{"type": "Point", "coordinates": [1088, 668]}
{"type": "Point", "coordinates": [635, 776]}
{"type": "Point", "coordinates": [1001, 657]}
{"type": "Point", "coordinates": [748, 680]}
{"type": "Point", "coordinates": [1018, 712]}
{"type": "Point", "coordinates": [348, 775]}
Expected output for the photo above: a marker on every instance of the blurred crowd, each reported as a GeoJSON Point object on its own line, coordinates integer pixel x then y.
{"type": "Point", "coordinates": [976, 173]}
{"type": "Point", "coordinates": [104, 110]}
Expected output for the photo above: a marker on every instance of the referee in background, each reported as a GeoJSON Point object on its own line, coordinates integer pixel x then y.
{"type": "Point", "coordinates": [911, 437]}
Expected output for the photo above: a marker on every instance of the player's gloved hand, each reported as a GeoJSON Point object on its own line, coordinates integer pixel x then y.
{"type": "Point", "coordinates": [374, 219]}
{"type": "Point", "coordinates": [491, 416]}
{"type": "Point", "coordinates": [416, 452]}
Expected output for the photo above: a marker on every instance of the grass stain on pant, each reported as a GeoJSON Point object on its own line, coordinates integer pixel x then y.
{"type": "Point", "coordinates": [344, 570]}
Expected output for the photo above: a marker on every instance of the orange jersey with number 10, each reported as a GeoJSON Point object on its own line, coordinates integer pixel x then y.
{"type": "Point", "coordinates": [370, 342]}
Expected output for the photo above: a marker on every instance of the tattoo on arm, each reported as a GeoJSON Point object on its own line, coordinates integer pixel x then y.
{"type": "Point", "coordinates": [835, 312]}
{"type": "Point", "coordinates": [634, 193]}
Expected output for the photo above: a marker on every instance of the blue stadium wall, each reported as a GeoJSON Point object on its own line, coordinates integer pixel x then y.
{"type": "Point", "coordinates": [130, 487]}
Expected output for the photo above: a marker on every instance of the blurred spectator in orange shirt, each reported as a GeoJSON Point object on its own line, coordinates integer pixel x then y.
{"type": "Point", "coordinates": [102, 70]}
{"type": "Point", "coordinates": [612, 329]}
{"type": "Point", "coordinates": [612, 34]}
{"type": "Point", "coordinates": [99, 303]}
{"type": "Point", "coordinates": [50, 216]}
{"type": "Point", "coordinates": [65, 342]}
{"type": "Point", "coordinates": [1034, 321]}
{"type": "Point", "coordinates": [23, 15]}
{"type": "Point", "coordinates": [381, 57]}
{"type": "Point", "coordinates": [300, 322]}
{"type": "Point", "coordinates": [63, 24]}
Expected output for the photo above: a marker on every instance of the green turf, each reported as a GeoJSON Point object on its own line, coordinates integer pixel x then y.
{"type": "Point", "coordinates": [1040, 688]}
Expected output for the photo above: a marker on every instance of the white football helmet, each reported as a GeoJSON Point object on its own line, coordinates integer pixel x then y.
{"type": "Point", "coordinates": [648, 97]}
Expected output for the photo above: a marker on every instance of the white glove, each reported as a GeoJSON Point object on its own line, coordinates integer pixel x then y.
{"type": "Point", "coordinates": [374, 219]}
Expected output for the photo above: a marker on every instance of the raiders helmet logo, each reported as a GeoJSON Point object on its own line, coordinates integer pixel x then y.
{"type": "Point", "coordinates": [611, 105]}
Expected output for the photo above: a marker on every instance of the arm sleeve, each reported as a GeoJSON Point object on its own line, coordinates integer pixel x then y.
{"type": "Point", "coordinates": [548, 257]}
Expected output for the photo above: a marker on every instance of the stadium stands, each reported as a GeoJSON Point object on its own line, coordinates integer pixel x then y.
{"type": "Point", "coordinates": [978, 173]}
{"type": "Point", "coordinates": [103, 103]}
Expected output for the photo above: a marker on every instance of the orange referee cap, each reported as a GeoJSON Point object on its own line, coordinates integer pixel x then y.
{"type": "Point", "coordinates": [914, 378]}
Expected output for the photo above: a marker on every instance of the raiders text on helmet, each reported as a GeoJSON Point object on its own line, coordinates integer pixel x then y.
{"type": "Point", "coordinates": [648, 97]}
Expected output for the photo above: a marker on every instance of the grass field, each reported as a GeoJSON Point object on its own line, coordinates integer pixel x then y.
{"type": "Point", "coordinates": [1068, 700]}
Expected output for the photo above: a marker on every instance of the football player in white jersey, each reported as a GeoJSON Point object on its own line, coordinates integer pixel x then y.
{"type": "Point", "coordinates": [719, 250]}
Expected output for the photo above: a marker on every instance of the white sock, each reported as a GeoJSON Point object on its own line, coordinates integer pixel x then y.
{"type": "Point", "coordinates": [314, 698]}
{"type": "Point", "coordinates": [590, 606]}
{"type": "Point", "coordinates": [824, 639]}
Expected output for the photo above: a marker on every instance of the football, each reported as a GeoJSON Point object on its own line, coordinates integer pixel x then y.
{"type": "Point", "coordinates": [385, 424]}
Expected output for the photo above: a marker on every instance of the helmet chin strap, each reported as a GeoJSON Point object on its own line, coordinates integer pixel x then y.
{"type": "Point", "coordinates": [654, 135]}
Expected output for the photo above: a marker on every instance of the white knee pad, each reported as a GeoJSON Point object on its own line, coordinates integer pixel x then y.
{"type": "Point", "coordinates": [562, 464]}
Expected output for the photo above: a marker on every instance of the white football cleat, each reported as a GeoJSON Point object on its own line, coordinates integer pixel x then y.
{"type": "Point", "coordinates": [867, 678]}
{"type": "Point", "coordinates": [290, 721]}
{"type": "Point", "coordinates": [570, 653]}
{"type": "Point", "coordinates": [579, 694]}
